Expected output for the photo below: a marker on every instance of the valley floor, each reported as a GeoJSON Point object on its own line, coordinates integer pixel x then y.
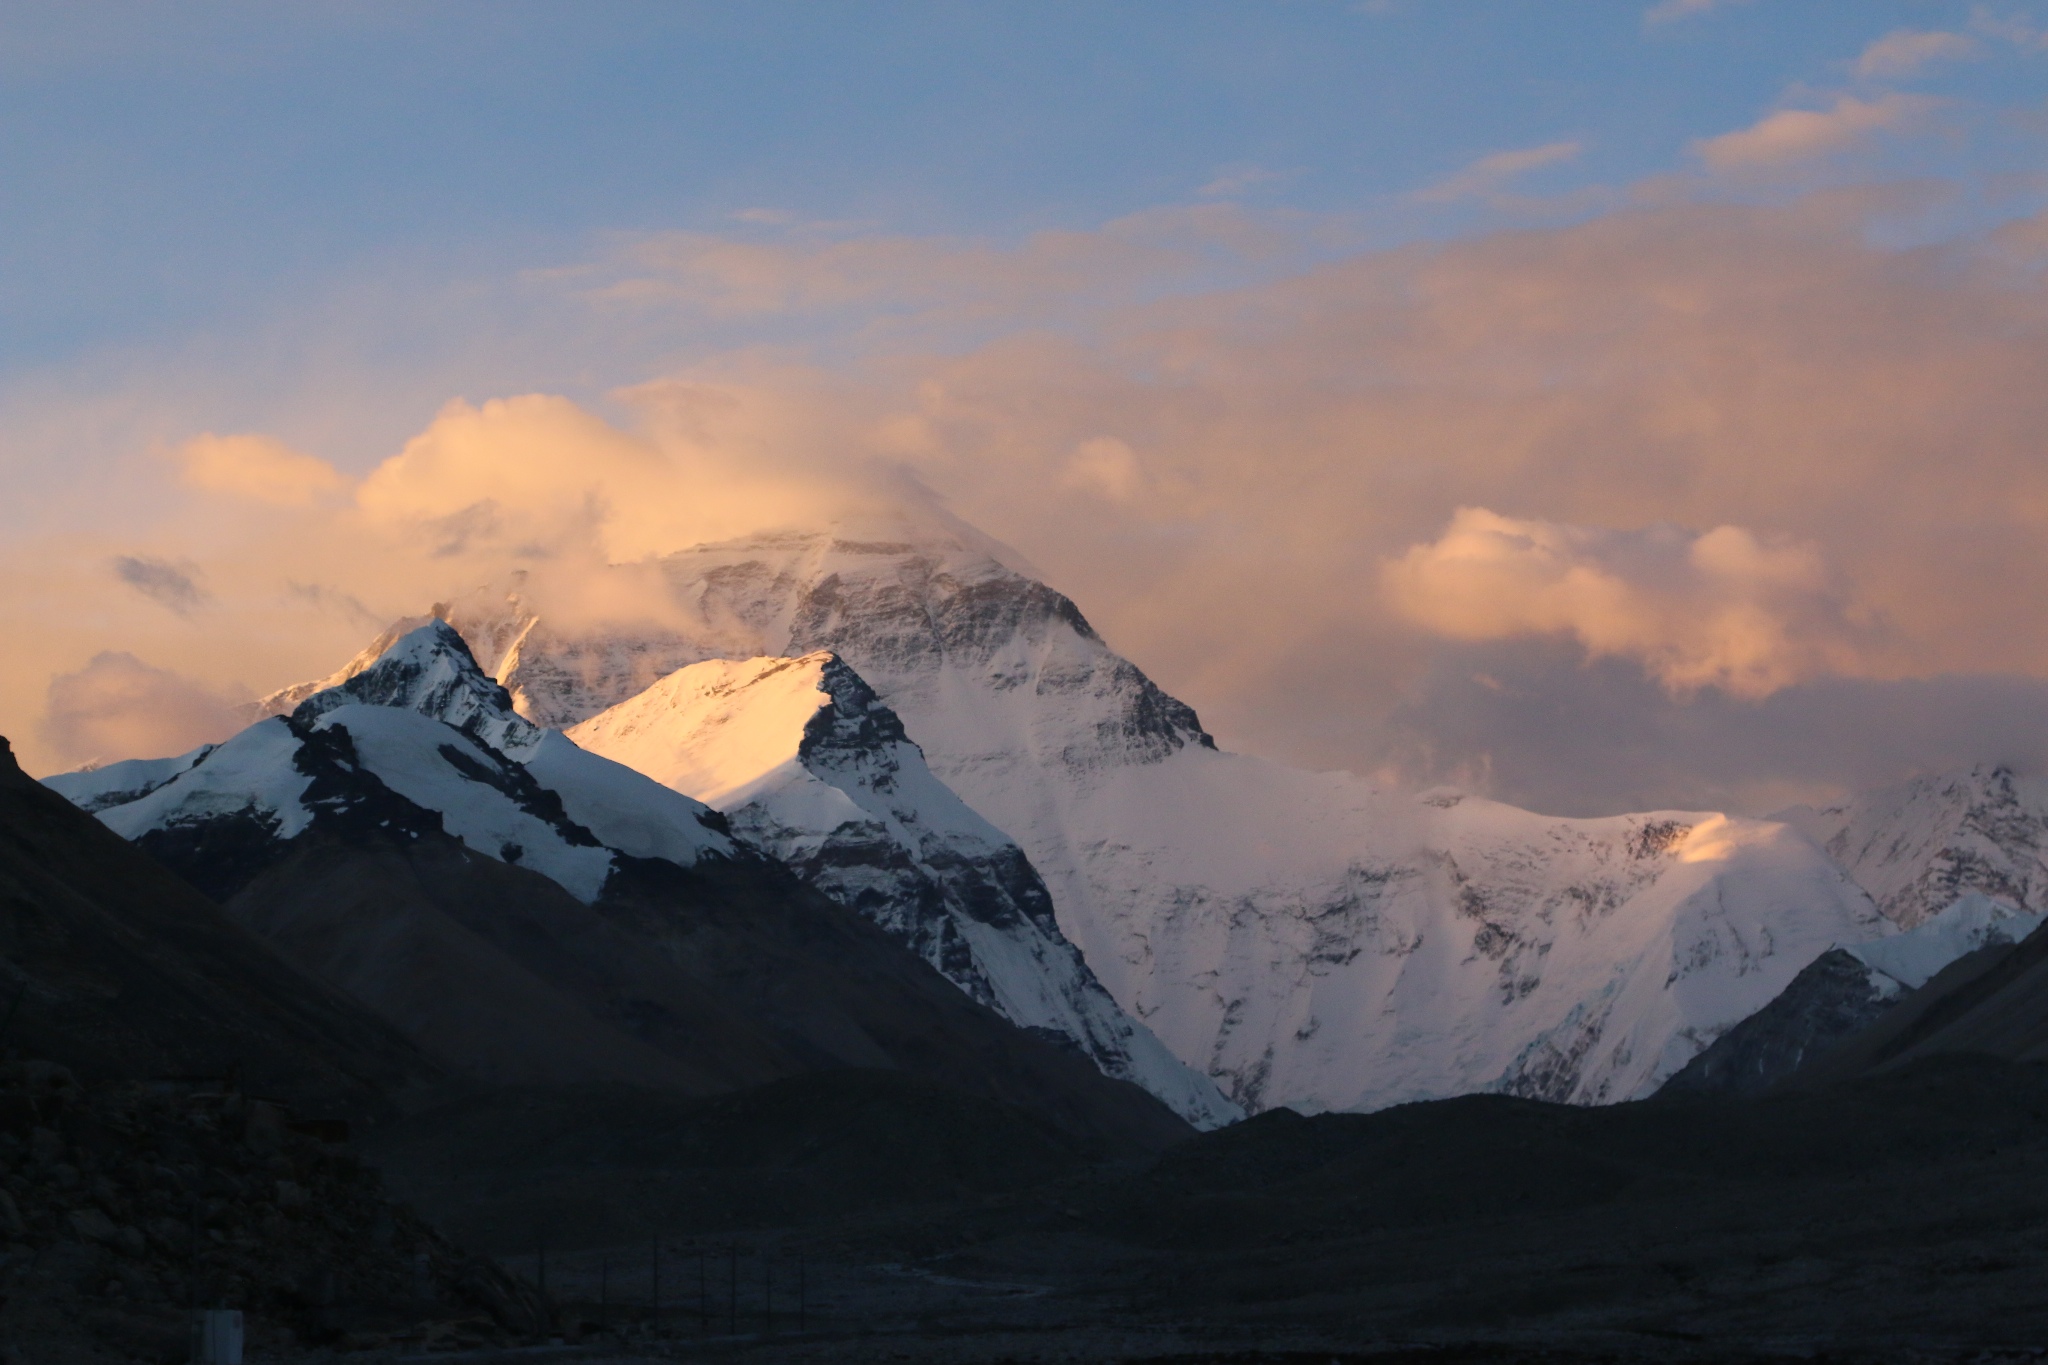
{"type": "Point", "coordinates": [1903, 1220]}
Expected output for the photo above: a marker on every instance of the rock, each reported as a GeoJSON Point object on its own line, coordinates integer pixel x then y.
{"type": "Point", "coordinates": [45, 1146]}
{"type": "Point", "coordinates": [11, 1225]}
{"type": "Point", "coordinates": [290, 1195]}
{"type": "Point", "coordinates": [264, 1129]}
{"type": "Point", "coordinates": [94, 1226]}
{"type": "Point", "coordinates": [131, 1241]}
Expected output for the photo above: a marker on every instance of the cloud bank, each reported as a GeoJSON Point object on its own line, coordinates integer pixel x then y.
{"type": "Point", "coordinates": [1717, 460]}
{"type": "Point", "coordinates": [1717, 609]}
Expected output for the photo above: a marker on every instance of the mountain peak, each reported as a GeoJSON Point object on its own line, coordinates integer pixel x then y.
{"type": "Point", "coordinates": [429, 669]}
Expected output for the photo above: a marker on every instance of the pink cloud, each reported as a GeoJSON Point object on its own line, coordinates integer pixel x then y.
{"type": "Point", "coordinates": [1791, 136]}
{"type": "Point", "coordinates": [119, 707]}
{"type": "Point", "coordinates": [1906, 52]}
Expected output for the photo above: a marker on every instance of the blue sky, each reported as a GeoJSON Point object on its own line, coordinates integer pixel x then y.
{"type": "Point", "coordinates": [1731, 307]}
{"type": "Point", "coordinates": [168, 167]}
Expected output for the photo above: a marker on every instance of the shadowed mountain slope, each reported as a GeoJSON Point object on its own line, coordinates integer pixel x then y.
{"type": "Point", "coordinates": [117, 968]}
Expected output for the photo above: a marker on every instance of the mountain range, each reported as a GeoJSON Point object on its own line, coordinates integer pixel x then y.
{"type": "Point", "coordinates": [528, 912]}
{"type": "Point", "coordinates": [904, 720]}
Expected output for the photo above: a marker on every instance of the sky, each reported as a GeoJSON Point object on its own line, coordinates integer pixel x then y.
{"type": "Point", "coordinates": [1604, 406]}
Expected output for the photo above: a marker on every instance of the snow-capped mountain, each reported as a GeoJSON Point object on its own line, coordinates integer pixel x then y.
{"type": "Point", "coordinates": [1306, 939]}
{"type": "Point", "coordinates": [425, 722]}
{"type": "Point", "coordinates": [527, 910]}
{"type": "Point", "coordinates": [1918, 846]}
{"type": "Point", "coordinates": [808, 764]}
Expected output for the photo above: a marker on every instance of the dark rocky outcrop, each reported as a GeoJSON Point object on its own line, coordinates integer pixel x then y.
{"type": "Point", "coordinates": [1833, 998]}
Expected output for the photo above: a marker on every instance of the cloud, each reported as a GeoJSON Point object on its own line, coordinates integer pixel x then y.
{"type": "Point", "coordinates": [1720, 608]}
{"type": "Point", "coordinates": [162, 582]}
{"type": "Point", "coordinates": [1218, 476]}
{"type": "Point", "coordinates": [1671, 11]}
{"type": "Point", "coordinates": [722, 278]}
{"type": "Point", "coordinates": [2012, 28]}
{"type": "Point", "coordinates": [1574, 737]}
{"type": "Point", "coordinates": [257, 467]}
{"type": "Point", "coordinates": [1791, 136]}
{"type": "Point", "coordinates": [1906, 52]}
{"type": "Point", "coordinates": [1106, 467]}
{"type": "Point", "coordinates": [117, 707]}
{"type": "Point", "coordinates": [1489, 174]}
{"type": "Point", "coordinates": [327, 599]}
{"type": "Point", "coordinates": [1233, 181]}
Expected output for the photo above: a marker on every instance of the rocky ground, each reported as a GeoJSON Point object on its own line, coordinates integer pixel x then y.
{"type": "Point", "coordinates": [124, 1206]}
{"type": "Point", "coordinates": [1900, 1219]}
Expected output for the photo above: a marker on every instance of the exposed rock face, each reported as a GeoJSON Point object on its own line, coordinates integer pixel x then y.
{"type": "Point", "coordinates": [1918, 846]}
{"type": "Point", "coordinates": [1844, 992]}
{"type": "Point", "coordinates": [1836, 996]}
{"type": "Point", "coordinates": [1305, 939]}
{"type": "Point", "coordinates": [808, 764]}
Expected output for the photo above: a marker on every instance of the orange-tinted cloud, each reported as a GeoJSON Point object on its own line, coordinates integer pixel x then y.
{"type": "Point", "coordinates": [257, 467]}
{"type": "Point", "coordinates": [1218, 478]}
{"type": "Point", "coordinates": [1716, 609]}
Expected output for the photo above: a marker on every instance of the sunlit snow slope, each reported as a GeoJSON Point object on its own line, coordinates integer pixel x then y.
{"type": "Point", "coordinates": [1306, 939]}
{"type": "Point", "coordinates": [809, 765]}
